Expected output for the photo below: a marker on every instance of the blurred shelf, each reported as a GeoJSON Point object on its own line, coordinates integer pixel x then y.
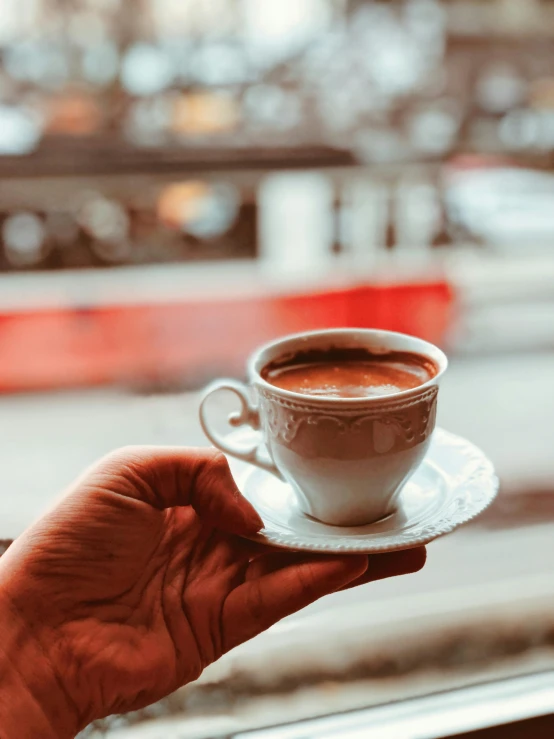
{"type": "Point", "coordinates": [93, 156]}
{"type": "Point", "coordinates": [85, 163]}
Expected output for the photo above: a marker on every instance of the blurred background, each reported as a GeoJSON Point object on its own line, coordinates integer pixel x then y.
{"type": "Point", "coordinates": [183, 179]}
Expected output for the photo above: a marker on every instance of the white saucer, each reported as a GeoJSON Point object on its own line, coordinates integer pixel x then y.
{"type": "Point", "coordinates": [454, 484]}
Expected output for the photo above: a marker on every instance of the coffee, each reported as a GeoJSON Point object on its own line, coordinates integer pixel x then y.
{"type": "Point", "coordinates": [349, 373]}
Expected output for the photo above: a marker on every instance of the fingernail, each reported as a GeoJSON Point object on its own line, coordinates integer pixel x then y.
{"type": "Point", "coordinates": [250, 515]}
{"type": "Point", "coordinates": [255, 520]}
{"type": "Point", "coordinates": [251, 518]}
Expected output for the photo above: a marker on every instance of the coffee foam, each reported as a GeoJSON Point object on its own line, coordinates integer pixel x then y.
{"type": "Point", "coordinates": [349, 373]}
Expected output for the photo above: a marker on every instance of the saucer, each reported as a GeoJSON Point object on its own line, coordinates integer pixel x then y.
{"type": "Point", "coordinates": [454, 484]}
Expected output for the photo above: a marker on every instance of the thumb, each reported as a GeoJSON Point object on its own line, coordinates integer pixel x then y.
{"type": "Point", "coordinates": [167, 477]}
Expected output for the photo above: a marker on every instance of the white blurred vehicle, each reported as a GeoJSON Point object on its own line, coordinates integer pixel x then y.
{"type": "Point", "coordinates": [505, 207]}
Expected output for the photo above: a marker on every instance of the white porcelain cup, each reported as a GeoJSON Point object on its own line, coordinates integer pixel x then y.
{"type": "Point", "coordinates": [347, 459]}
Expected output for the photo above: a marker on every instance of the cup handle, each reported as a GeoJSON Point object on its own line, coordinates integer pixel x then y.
{"type": "Point", "coordinates": [247, 415]}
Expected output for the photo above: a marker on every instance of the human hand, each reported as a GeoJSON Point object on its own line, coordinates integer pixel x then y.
{"type": "Point", "coordinates": [139, 579]}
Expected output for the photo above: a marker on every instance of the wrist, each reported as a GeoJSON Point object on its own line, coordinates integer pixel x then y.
{"type": "Point", "coordinates": [32, 702]}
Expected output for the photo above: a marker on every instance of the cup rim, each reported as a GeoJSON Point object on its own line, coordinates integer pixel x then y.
{"type": "Point", "coordinates": [434, 354]}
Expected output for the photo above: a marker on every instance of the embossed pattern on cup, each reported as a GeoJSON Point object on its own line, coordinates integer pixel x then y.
{"type": "Point", "coordinates": [347, 432]}
{"type": "Point", "coordinates": [338, 458]}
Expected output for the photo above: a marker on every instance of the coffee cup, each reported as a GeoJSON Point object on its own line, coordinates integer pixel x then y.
{"type": "Point", "coordinates": [346, 458]}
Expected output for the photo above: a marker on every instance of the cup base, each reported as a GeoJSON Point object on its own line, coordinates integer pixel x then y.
{"type": "Point", "coordinates": [381, 519]}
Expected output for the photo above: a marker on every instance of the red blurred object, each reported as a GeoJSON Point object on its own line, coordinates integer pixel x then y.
{"type": "Point", "coordinates": [157, 343]}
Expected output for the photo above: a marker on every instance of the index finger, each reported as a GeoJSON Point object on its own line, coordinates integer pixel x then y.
{"type": "Point", "coordinates": [258, 603]}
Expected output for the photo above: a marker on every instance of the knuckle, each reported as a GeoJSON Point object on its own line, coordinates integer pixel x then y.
{"type": "Point", "coordinates": [307, 579]}
{"type": "Point", "coordinates": [213, 466]}
{"type": "Point", "coordinates": [126, 471]}
{"type": "Point", "coordinates": [122, 457]}
{"type": "Point", "coordinates": [219, 460]}
{"type": "Point", "coordinates": [256, 608]}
